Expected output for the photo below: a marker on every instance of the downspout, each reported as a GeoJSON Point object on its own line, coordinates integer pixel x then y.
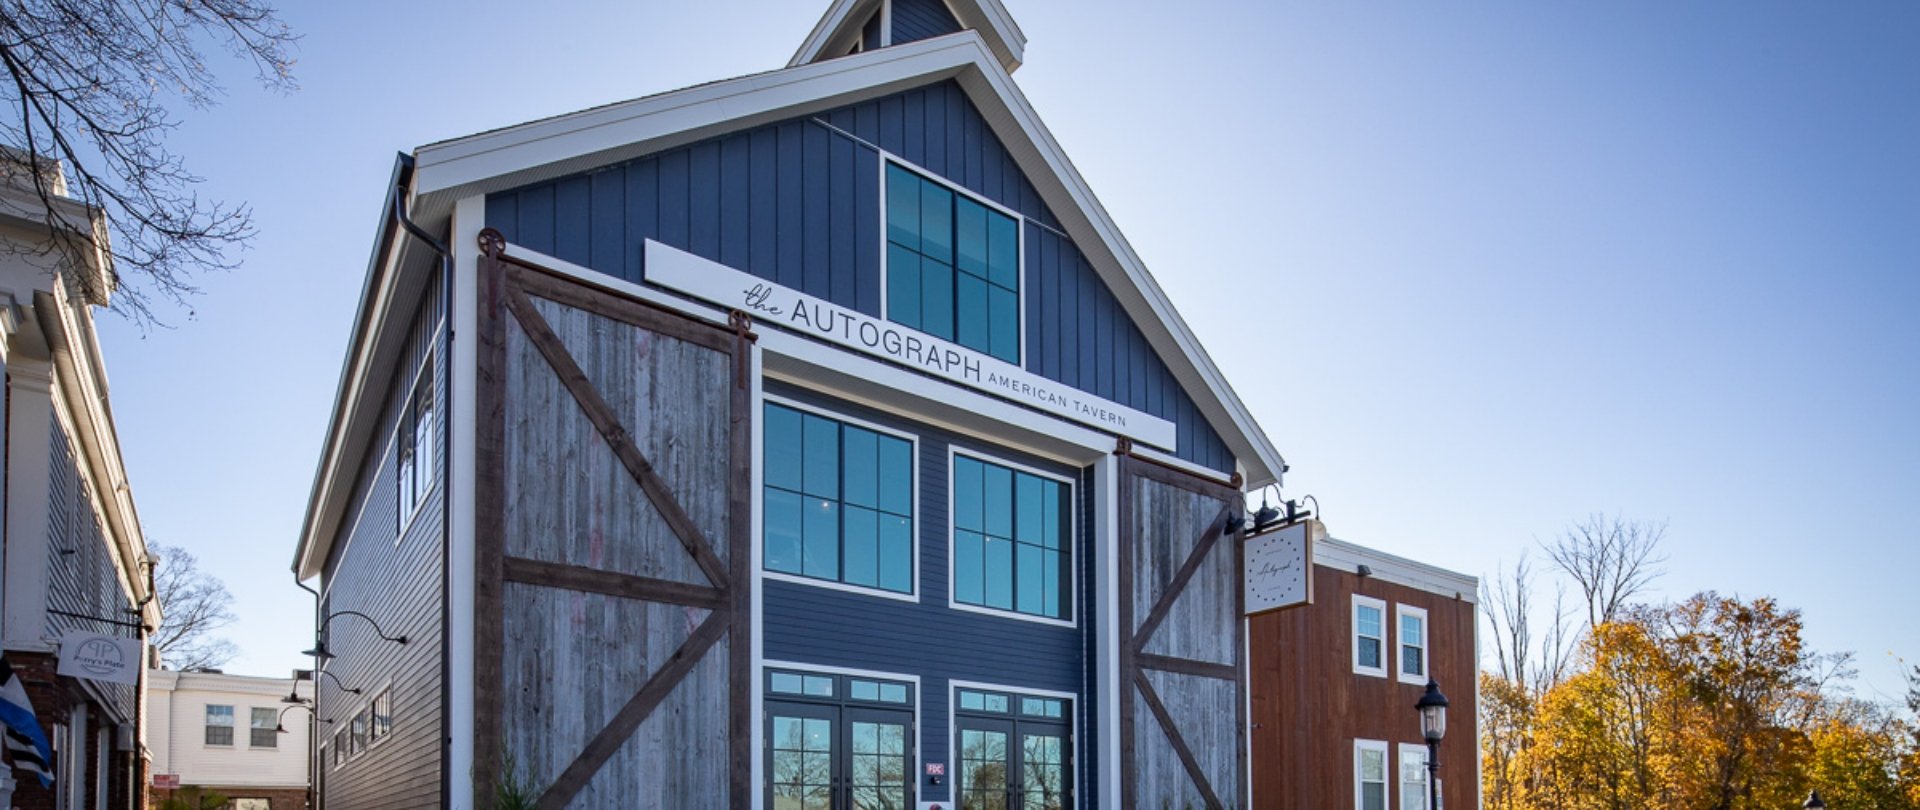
{"type": "Point", "coordinates": [444, 355]}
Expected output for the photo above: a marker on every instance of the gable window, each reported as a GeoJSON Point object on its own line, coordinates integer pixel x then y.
{"type": "Point", "coordinates": [1369, 775]}
{"type": "Point", "coordinates": [1012, 540]}
{"type": "Point", "coordinates": [1412, 660]}
{"type": "Point", "coordinates": [413, 445]}
{"type": "Point", "coordinates": [260, 733]}
{"type": "Point", "coordinates": [953, 265]}
{"type": "Point", "coordinates": [1413, 777]}
{"type": "Point", "coordinates": [838, 501]}
{"type": "Point", "coordinates": [1369, 636]}
{"type": "Point", "coordinates": [219, 725]}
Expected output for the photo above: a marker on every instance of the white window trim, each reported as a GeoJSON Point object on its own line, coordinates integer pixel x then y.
{"type": "Point", "coordinates": [1386, 764]}
{"type": "Point", "coordinates": [250, 745]}
{"type": "Point", "coordinates": [1399, 777]}
{"type": "Point", "coordinates": [421, 497]}
{"type": "Point", "coordinates": [913, 532]}
{"type": "Point", "coordinates": [232, 726]}
{"type": "Point", "coordinates": [1353, 635]}
{"type": "Point", "coordinates": [1073, 723]}
{"type": "Point", "coordinates": [1019, 226]}
{"type": "Point", "coordinates": [1072, 594]}
{"type": "Point", "coordinates": [1400, 612]}
{"type": "Point", "coordinates": [373, 696]}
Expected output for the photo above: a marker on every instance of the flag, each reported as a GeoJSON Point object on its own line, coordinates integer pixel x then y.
{"type": "Point", "coordinates": [25, 740]}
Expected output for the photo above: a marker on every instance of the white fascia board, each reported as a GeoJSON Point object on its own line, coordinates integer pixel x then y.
{"type": "Point", "coordinates": [1087, 221]}
{"type": "Point", "coordinates": [567, 144]}
{"type": "Point", "coordinates": [828, 29]}
{"type": "Point", "coordinates": [556, 147]}
{"type": "Point", "coordinates": [988, 17]}
{"type": "Point", "coordinates": [1345, 556]}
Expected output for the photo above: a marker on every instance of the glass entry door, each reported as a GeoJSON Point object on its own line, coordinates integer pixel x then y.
{"type": "Point", "coordinates": [1013, 753]}
{"type": "Point", "coordinates": [838, 743]}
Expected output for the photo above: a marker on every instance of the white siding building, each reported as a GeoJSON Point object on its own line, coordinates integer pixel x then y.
{"type": "Point", "coordinates": [216, 732]}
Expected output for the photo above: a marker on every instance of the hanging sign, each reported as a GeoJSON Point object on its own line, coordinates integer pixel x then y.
{"type": "Point", "coordinates": [100, 658]}
{"type": "Point", "coordinates": [1280, 567]}
{"type": "Point", "coordinates": [794, 311]}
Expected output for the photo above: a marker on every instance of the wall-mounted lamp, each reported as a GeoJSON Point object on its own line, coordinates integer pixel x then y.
{"type": "Point", "coordinates": [320, 647]}
{"type": "Point", "coordinates": [1364, 570]}
{"type": "Point", "coordinates": [281, 728]}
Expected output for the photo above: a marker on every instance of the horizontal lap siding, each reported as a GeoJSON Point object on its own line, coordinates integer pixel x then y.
{"type": "Point", "coordinates": [400, 585]}
{"type": "Point", "coordinates": [799, 204]}
{"type": "Point", "coordinates": [915, 20]}
{"type": "Point", "coordinates": [809, 624]}
{"type": "Point", "coordinates": [82, 575]}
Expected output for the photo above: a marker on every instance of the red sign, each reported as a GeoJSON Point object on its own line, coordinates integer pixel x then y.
{"type": "Point", "coordinates": [936, 769]}
{"type": "Point", "coordinates": [166, 781]}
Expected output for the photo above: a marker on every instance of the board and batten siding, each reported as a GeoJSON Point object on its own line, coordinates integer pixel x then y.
{"type": "Point", "coordinates": [398, 580]}
{"type": "Point", "coordinates": [798, 203]}
{"type": "Point", "coordinates": [915, 20]}
{"type": "Point", "coordinates": [829, 627]}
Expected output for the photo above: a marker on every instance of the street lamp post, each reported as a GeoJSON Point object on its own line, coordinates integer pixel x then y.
{"type": "Point", "coordinates": [1433, 726]}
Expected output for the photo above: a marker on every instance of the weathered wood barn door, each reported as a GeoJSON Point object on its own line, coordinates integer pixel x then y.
{"type": "Point", "coordinates": [1182, 710]}
{"type": "Point", "coordinates": [611, 600]}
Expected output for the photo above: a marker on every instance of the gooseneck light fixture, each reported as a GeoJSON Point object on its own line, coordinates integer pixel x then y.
{"type": "Point", "coordinates": [280, 727]}
{"type": "Point", "coordinates": [320, 650]}
{"type": "Point", "coordinates": [1433, 726]}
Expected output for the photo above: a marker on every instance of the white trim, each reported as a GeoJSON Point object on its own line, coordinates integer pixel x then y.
{"type": "Point", "coordinates": [1019, 247]}
{"type": "Point", "coordinates": [462, 369]}
{"type": "Point", "coordinates": [1386, 767]}
{"type": "Point", "coordinates": [756, 579]}
{"type": "Point", "coordinates": [886, 23]}
{"type": "Point", "coordinates": [1353, 635]}
{"type": "Point", "coordinates": [1399, 775]}
{"type": "Point", "coordinates": [987, 18]}
{"type": "Point", "coordinates": [913, 508]}
{"type": "Point", "coordinates": [1072, 722]}
{"type": "Point", "coordinates": [1106, 516]}
{"type": "Point", "coordinates": [1069, 597]}
{"type": "Point", "coordinates": [1340, 554]}
{"type": "Point", "coordinates": [760, 679]}
{"type": "Point", "coordinates": [400, 417]}
{"type": "Point", "coordinates": [1401, 612]}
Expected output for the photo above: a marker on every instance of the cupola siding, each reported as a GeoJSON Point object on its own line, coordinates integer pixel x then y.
{"type": "Point", "coordinates": [798, 203]}
{"type": "Point", "coordinates": [921, 19]}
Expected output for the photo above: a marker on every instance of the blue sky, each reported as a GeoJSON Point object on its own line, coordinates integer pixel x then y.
{"type": "Point", "coordinates": [1479, 271]}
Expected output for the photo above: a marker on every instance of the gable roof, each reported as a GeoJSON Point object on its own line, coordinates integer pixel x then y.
{"type": "Point", "coordinates": [840, 26]}
{"type": "Point", "coordinates": [446, 172]}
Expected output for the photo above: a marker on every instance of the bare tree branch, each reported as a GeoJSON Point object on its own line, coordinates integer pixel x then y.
{"type": "Point", "coordinates": [193, 604]}
{"type": "Point", "coordinates": [1610, 560]}
{"type": "Point", "coordinates": [86, 86]}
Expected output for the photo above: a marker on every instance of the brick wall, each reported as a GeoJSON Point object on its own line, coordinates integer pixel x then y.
{"type": "Point", "coordinates": [281, 798]}
{"type": "Point", "coordinates": [53, 697]}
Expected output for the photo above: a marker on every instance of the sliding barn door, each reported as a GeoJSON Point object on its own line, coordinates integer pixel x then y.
{"type": "Point", "coordinates": [612, 624]}
{"type": "Point", "coordinates": [1183, 719]}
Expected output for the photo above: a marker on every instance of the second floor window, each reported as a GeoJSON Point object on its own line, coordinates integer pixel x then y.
{"type": "Point", "coordinates": [219, 725]}
{"type": "Point", "coordinates": [414, 443]}
{"type": "Point", "coordinates": [261, 734]}
{"type": "Point", "coordinates": [1012, 540]}
{"type": "Point", "coordinates": [953, 266]}
{"type": "Point", "coordinates": [838, 501]}
{"type": "Point", "coordinates": [1369, 636]}
{"type": "Point", "coordinates": [1413, 644]}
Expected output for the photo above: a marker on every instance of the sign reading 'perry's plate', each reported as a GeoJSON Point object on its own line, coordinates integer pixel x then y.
{"type": "Point", "coordinates": [798, 312]}
{"type": "Point", "coordinates": [100, 658]}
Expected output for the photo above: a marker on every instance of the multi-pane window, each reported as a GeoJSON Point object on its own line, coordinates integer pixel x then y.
{"type": "Point", "coordinates": [413, 444]}
{"type": "Point", "coordinates": [219, 725]}
{"type": "Point", "coordinates": [261, 734]}
{"type": "Point", "coordinates": [953, 265]}
{"type": "Point", "coordinates": [838, 741]}
{"type": "Point", "coordinates": [1012, 539]}
{"type": "Point", "coordinates": [1412, 643]}
{"type": "Point", "coordinates": [1369, 636]}
{"type": "Point", "coordinates": [1413, 777]}
{"type": "Point", "coordinates": [1013, 750]}
{"type": "Point", "coordinates": [339, 747]}
{"type": "Point", "coordinates": [357, 733]}
{"type": "Point", "coordinates": [838, 501]}
{"type": "Point", "coordinates": [380, 719]}
{"type": "Point", "coordinates": [1369, 775]}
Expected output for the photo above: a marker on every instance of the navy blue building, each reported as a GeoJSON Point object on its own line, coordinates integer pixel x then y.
{"type": "Point", "coordinates": [811, 439]}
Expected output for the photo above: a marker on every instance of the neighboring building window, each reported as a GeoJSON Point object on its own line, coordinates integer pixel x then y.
{"type": "Point", "coordinates": [1413, 644]}
{"type": "Point", "coordinates": [838, 501]}
{"type": "Point", "coordinates": [413, 439]}
{"type": "Point", "coordinates": [1012, 539]}
{"type": "Point", "coordinates": [1369, 636]}
{"type": "Point", "coordinates": [1413, 777]}
{"type": "Point", "coordinates": [261, 734]}
{"type": "Point", "coordinates": [357, 739]}
{"type": "Point", "coordinates": [380, 719]}
{"type": "Point", "coordinates": [1016, 742]}
{"type": "Point", "coordinates": [219, 725]}
{"type": "Point", "coordinates": [1369, 775]}
{"type": "Point", "coordinates": [953, 265]}
{"type": "Point", "coordinates": [827, 731]}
